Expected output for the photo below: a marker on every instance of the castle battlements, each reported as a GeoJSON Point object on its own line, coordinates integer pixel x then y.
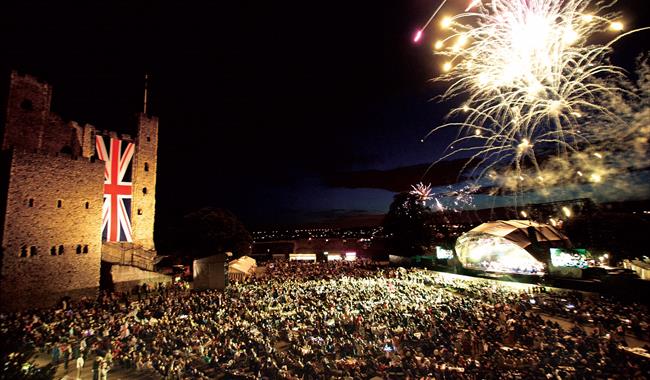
{"type": "Point", "coordinates": [115, 135]}
{"type": "Point", "coordinates": [54, 155]}
{"type": "Point", "coordinates": [16, 75]}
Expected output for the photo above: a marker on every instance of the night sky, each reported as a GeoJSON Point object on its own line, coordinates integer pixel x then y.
{"type": "Point", "coordinates": [265, 107]}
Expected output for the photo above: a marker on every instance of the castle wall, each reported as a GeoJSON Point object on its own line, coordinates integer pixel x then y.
{"type": "Point", "coordinates": [52, 229]}
{"type": "Point", "coordinates": [145, 164]}
{"type": "Point", "coordinates": [59, 136]}
{"type": "Point", "coordinates": [125, 278]}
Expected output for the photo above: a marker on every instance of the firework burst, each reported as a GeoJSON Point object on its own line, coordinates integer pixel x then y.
{"type": "Point", "coordinates": [456, 200]}
{"type": "Point", "coordinates": [535, 76]}
{"type": "Point", "coordinates": [423, 192]}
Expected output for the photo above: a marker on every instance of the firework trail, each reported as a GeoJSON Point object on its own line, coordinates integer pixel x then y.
{"type": "Point", "coordinates": [537, 86]}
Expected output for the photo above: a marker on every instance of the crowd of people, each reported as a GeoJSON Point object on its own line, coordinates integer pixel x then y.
{"type": "Point", "coordinates": [344, 321]}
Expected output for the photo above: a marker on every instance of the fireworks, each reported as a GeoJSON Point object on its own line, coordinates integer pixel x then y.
{"type": "Point", "coordinates": [422, 192]}
{"type": "Point", "coordinates": [418, 36]}
{"type": "Point", "coordinates": [537, 86]}
{"type": "Point", "coordinates": [455, 200]}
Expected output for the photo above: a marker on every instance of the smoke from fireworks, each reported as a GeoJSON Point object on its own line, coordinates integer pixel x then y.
{"type": "Point", "coordinates": [538, 90]}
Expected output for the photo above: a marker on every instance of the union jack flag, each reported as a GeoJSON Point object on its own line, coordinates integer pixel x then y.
{"type": "Point", "coordinates": [116, 211]}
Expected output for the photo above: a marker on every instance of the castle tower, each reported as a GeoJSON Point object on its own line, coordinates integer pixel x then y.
{"type": "Point", "coordinates": [50, 203]}
{"type": "Point", "coordinates": [28, 112]}
{"type": "Point", "coordinates": [145, 163]}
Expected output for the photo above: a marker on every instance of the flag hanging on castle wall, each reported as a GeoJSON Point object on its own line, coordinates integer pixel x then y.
{"type": "Point", "coordinates": [116, 211]}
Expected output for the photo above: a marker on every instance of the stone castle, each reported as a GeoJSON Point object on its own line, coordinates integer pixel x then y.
{"type": "Point", "coordinates": [71, 196]}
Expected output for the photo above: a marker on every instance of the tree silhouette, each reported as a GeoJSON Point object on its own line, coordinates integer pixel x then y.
{"type": "Point", "coordinates": [209, 231]}
{"type": "Point", "coordinates": [407, 226]}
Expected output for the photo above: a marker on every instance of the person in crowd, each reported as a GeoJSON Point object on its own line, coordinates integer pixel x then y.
{"type": "Point", "coordinates": [80, 365]}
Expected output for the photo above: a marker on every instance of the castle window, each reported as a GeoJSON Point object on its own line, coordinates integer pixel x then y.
{"type": "Point", "coordinates": [33, 251]}
{"type": "Point", "coordinates": [146, 166]}
{"type": "Point", "coordinates": [87, 205]}
{"type": "Point", "coordinates": [30, 202]}
{"type": "Point", "coordinates": [27, 105]}
{"type": "Point", "coordinates": [85, 249]}
{"type": "Point", "coordinates": [23, 251]}
{"type": "Point", "coordinates": [139, 211]}
{"type": "Point", "coordinates": [144, 190]}
{"type": "Point", "coordinates": [78, 250]}
{"type": "Point", "coordinates": [61, 250]}
{"type": "Point", "coordinates": [53, 251]}
{"type": "Point", "coordinates": [148, 139]}
{"type": "Point", "coordinates": [59, 203]}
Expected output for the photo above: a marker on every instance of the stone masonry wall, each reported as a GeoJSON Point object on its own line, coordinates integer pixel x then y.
{"type": "Point", "coordinates": [52, 229]}
{"type": "Point", "coordinates": [125, 278]}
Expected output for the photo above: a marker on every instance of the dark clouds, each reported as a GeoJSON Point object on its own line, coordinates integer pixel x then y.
{"type": "Point", "coordinates": [399, 179]}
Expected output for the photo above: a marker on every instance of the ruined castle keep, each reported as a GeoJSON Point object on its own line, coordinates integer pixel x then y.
{"type": "Point", "coordinates": [70, 196]}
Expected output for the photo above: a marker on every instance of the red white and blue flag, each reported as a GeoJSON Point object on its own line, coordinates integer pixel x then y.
{"type": "Point", "coordinates": [116, 211]}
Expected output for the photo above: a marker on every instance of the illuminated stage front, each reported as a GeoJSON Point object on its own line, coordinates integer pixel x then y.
{"type": "Point", "coordinates": [505, 246]}
{"type": "Point", "coordinates": [495, 254]}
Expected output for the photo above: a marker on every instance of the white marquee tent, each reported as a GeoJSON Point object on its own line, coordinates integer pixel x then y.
{"type": "Point", "coordinates": [242, 267]}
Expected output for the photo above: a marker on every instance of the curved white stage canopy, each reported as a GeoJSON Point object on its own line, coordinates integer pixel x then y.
{"type": "Point", "coordinates": [507, 246]}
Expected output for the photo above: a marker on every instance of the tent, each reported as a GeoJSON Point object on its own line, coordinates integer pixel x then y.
{"type": "Point", "coordinates": [513, 246]}
{"type": "Point", "coordinates": [209, 272]}
{"type": "Point", "coordinates": [249, 260]}
{"type": "Point", "coordinates": [241, 268]}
